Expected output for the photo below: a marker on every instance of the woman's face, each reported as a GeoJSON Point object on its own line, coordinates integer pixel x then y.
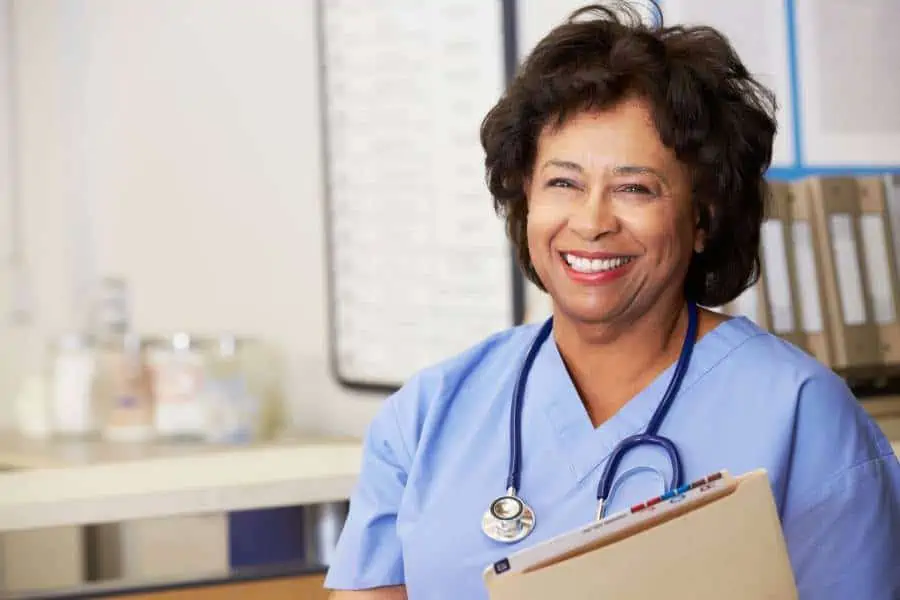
{"type": "Point", "coordinates": [611, 224]}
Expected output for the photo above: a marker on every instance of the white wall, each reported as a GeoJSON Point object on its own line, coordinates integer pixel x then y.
{"type": "Point", "coordinates": [190, 132]}
{"type": "Point", "coordinates": [8, 337]}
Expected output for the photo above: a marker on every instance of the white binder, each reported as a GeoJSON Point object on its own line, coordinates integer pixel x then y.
{"type": "Point", "coordinates": [808, 275]}
{"type": "Point", "coordinates": [777, 256]}
{"type": "Point", "coordinates": [835, 210]}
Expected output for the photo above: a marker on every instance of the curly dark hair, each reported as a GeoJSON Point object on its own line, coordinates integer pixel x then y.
{"type": "Point", "coordinates": [707, 108]}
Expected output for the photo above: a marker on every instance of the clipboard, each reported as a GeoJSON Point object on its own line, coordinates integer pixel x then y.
{"type": "Point", "coordinates": [736, 550]}
{"type": "Point", "coordinates": [835, 211]}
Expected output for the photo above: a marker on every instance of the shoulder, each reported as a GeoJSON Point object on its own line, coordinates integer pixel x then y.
{"type": "Point", "coordinates": [827, 422]}
{"type": "Point", "coordinates": [766, 361]}
{"type": "Point", "coordinates": [429, 391]}
{"type": "Point", "coordinates": [832, 433]}
{"type": "Point", "coordinates": [763, 350]}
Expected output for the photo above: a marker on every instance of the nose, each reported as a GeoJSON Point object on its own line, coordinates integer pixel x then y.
{"type": "Point", "coordinates": [594, 218]}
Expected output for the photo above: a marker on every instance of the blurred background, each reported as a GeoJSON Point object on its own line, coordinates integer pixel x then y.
{"type": "Point", "coordinates": [228, 229]}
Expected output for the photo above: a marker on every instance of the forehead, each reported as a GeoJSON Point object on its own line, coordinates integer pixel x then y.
{"type": "Point", "coordinates": [623, 133]}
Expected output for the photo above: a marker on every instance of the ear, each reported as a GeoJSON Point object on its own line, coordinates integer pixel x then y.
{"type": "Point", "coordinates": [702, 218]}
{"type": "Point", "coordinates": [699, 241]}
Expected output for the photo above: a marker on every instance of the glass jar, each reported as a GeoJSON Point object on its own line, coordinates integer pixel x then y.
{"type": "Point", "coordinates": [73, 409]}
{"type": "Point", "coordinates": [124, 390]}
{"type": "Point", "coordinates": [178, 378]}
{"type": "Point", "coordinates": [232, 404]}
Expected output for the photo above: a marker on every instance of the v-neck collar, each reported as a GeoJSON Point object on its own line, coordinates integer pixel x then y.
{"type": "Point", "coordinates": [588, 447]}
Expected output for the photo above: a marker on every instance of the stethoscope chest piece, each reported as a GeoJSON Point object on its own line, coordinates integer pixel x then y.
{"type": "Point", "coordinates": [508, 519]}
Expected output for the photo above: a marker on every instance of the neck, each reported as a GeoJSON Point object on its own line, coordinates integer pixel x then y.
{"type": "Point", "coordinates": [610, 363]}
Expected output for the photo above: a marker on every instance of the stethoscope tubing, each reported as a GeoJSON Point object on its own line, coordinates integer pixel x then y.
{"type": "Point", "coordinates": [515, 433]}
{"type": "Point", "coordinates": [649, 436]}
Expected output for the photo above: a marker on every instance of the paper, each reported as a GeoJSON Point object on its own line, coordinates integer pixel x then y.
{"type": "Point", "coordinates": [847, 60]}
{"type": "Point", "coordinates": [849, 279]}
{"type": "Point", "coordinates": [420, 265]}
{"type": "Point", "coordinates": [763, 48]}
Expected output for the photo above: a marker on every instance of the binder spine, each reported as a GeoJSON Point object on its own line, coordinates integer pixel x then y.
{"type": "Point", "coordinates": [808, 269]}
{"type": "Point", "coordinates": [779, 260]}
{"type": "Point", "coordinates": [852, 333]}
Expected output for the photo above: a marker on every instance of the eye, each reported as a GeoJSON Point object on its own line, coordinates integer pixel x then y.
{"type": "Point", "coordinates": [634, 188]}
{"type": "Point", "coordinates": [559, 182]}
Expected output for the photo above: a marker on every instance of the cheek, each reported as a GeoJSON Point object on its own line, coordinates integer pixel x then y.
{"type": "Point", "coordinates": [543, 223]}
{"type": "Point", "coordinates": [669, 236]}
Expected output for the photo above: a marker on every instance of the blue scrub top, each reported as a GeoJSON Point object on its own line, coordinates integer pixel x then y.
{"type": "Point", "coordinates": [438, 452]}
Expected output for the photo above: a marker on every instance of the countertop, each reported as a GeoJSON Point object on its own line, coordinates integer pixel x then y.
{"type": "Point", "coordinates": [51, 482]}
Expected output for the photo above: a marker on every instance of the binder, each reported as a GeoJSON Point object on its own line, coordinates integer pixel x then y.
{"type": "Point", "coordinates": [808, 272]}
{"type": "Point", "coordinates": [881, 265]}
{"type": "Point", "coordinates": [835, 211]}
{"type": "Point", "coordinates": [719, 539]}
{"type": "Point", "coordinates": [777, 257]}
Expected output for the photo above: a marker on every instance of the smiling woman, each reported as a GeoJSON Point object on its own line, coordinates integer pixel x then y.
{"type": "Point", "coordinates": [611, 229]}
{"type": "Point", "coordinates": [628, 161]}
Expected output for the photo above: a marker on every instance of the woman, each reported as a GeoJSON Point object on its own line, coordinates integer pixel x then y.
{"type": "Point", "coordinates": [628, 161]}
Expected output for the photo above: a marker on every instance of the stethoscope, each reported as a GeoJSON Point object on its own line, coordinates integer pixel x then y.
{"type": "Point", "coordinates": [509, 519]}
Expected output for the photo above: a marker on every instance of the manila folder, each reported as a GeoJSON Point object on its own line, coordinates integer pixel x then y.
{"type": "Point", "coordinates": [732, 547]}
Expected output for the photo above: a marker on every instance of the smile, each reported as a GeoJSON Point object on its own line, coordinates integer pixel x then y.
{"type": "Point", "coordinates": [583, 264]}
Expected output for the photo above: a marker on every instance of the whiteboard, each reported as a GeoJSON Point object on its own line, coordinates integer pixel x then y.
{"type": "Point", "coordinates": [849, 81]}
{"type": "Point", "coordinates": [762, 47]}
{"type": "Point", "coordinates": [420, 267]}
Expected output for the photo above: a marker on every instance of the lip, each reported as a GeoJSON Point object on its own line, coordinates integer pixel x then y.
{"type": "Point", "coordinates": [600, 278]}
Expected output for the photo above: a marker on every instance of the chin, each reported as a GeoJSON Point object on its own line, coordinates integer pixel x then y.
{"type": "Point", "coordinates": [586, 310]}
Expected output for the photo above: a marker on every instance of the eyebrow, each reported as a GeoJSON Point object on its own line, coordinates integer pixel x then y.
{"type": "Point", "coordinates": [563, 164]}
{"type": "Point", "coordinates": [639, 170]}
{"type": "Point", "coordinates": [619, 170]}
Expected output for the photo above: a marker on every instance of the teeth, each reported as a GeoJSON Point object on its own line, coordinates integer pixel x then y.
{"type": "Point", "coordinates": [596, 265]}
